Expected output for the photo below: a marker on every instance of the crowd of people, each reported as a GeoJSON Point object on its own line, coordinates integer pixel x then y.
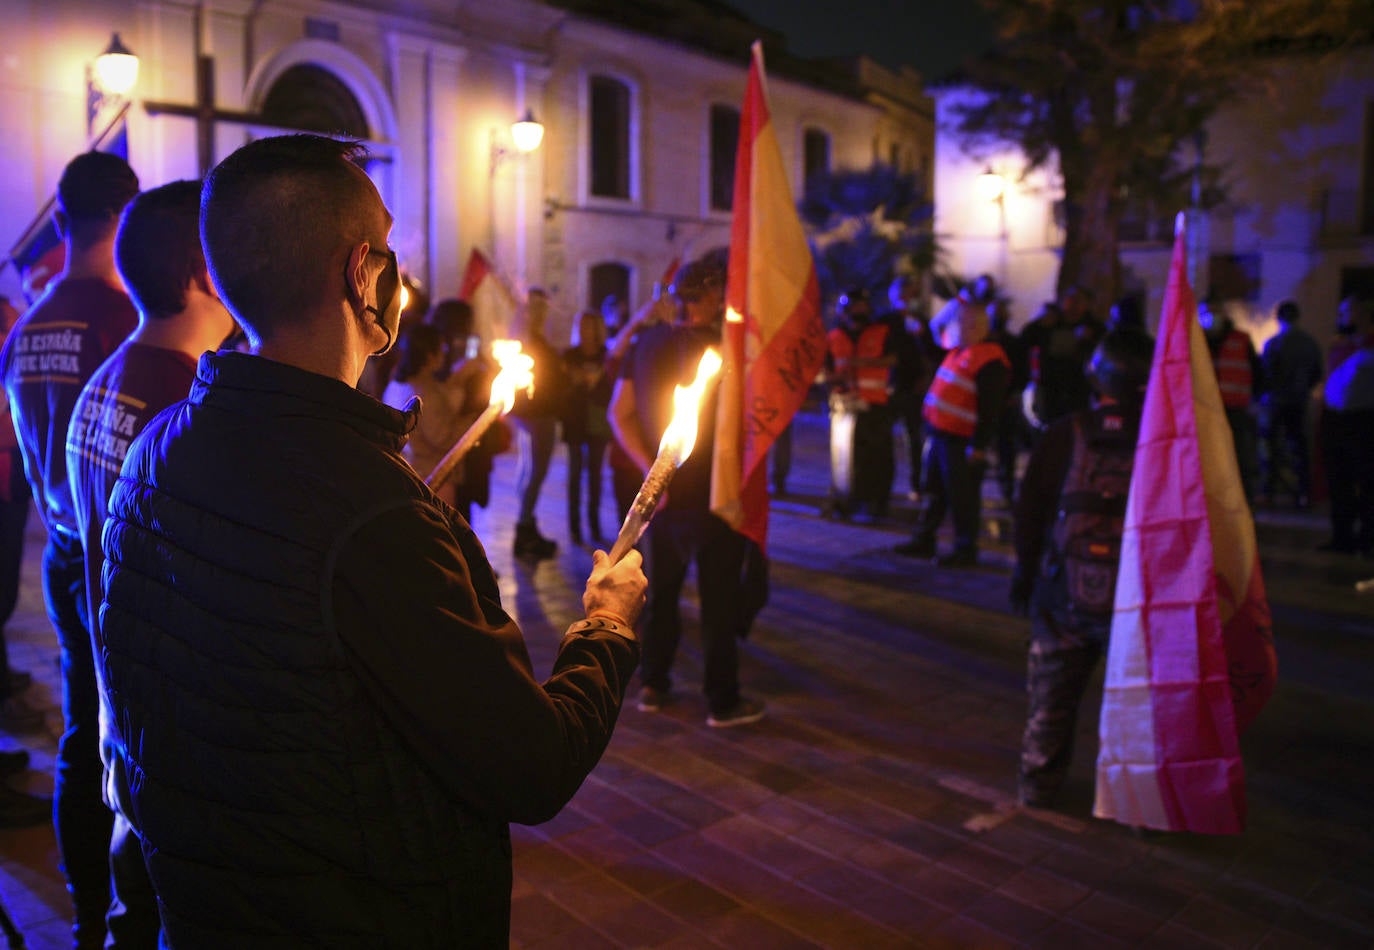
{"type": "Point", "coordinates": [969, 394]}
{"type": "Point", "coordinates": [294, 705]}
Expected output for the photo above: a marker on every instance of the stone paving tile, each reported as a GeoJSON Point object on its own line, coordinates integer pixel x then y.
{"type": "Point", "coordinates": [1174, 937]}
{"type": "Point", "coordinates": [578, 938]}
{"type": "Point", "coordinates": [691, 899]}
{"type": "Point", "coordinates": [1066, 935]}
{"type": "Point", "coordinates": [535, 917]}
{"type": "Point", "coordinates": [1283, 940]}
{"type": "Point", "coordinates": [960, 933]}
{"type": "Point", "coordinates": [1117, 918]}
{"type": "Point", "coordinates": [748, 928]}
{"type": "Point", "coordinates": [637, 924]}
{"type": "Point", "coordinates": [1327, 930]}
{"type": "Point", "coordinates": [1049, 892]}
{"type": "Point", "coordinates": [1212, 919]}
{"type": "Point", "coordinates": [591, 895]}
{"type": "Point", "coordinates": [1008, 916]}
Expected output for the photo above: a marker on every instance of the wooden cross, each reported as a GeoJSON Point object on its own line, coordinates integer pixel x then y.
{"type": "Point", "coordinates": [205, 113]}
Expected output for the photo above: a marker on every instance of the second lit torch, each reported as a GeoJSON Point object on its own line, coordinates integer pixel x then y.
{"type": "Point", "coordinates": [517, 372]}
{"type": "Point", "coordinates": [673, 449]}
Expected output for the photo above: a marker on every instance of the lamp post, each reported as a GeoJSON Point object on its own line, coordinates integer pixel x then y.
{"type": "Point", "coordinates": [109, 81]}
{"type": "Point", "coordinates": [992, 186]}
{"type": "Point", "coordinates": [525, 136]}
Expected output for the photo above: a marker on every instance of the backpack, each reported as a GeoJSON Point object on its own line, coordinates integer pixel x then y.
{"type": "Point", "coordinates": [1092, 514]}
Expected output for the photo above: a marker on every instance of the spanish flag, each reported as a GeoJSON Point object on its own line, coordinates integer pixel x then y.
{"type": "Point", "coordinates": [1191, 660]}
{"type": "Point", "coordinates": [774, 341]}
{"type": "Point", "coordinates": [493, 303]}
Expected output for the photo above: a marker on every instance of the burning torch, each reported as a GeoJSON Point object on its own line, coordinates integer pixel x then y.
{"type": "Point", "coordinates": [673, 449]}
{"type": "Point", "coordinates": [517, 372]}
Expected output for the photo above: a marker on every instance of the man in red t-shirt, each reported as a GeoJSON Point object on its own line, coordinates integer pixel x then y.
{"type": "Point", "coordinates": [159, 256]}
{"type": "Point", "coordinates": [56, 346]}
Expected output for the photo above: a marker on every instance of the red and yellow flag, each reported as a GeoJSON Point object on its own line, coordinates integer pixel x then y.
{"type": "Point", "coordinates": [493, 304]}
{"type": "Point", "coordinates": [1191, 660]}
{"type": "Point", "coordinates": [774, 341]}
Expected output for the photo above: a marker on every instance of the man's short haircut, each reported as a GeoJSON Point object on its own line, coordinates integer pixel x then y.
{"type": "Point", "coordinates": [1288, 312]}
{"type": "Point", "coordinates": [157, 247]}
{"type": "Point", "coordinates": [275, 218]}
{"type": "Point", "coordinates": [94, 188]}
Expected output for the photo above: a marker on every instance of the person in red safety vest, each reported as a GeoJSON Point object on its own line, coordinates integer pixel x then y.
{"type": "Point", "coordinates": [961, 412]}
{"type": "Point", "coordinates": [1239, 374]}
{"type": "Point", "coordinates": [862, 352]}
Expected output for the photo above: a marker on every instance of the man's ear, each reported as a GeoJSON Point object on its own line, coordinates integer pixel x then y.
{"type": "Point", "coordinates": [355, 275]}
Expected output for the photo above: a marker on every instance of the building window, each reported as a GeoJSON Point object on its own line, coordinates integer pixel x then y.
{"type": "Point", "coordinates": [724, 144]}
{"type": "Point", "coordinates": [609, 142]}
{"type": "Point", "coordinates": [606, 279]}
{"type": "Point", "coordinates": [313, 99]}
{"type": "Point", "coordinates": [815, 154]}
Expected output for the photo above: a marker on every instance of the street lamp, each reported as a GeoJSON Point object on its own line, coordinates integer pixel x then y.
{"type": "Point", "coordinates": [526, 134]}
{"type": "Point", "coordinates": [110, 80]}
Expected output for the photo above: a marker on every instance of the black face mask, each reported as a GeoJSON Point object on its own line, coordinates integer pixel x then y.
{"type": "Point", "coordinates": [388, 299]}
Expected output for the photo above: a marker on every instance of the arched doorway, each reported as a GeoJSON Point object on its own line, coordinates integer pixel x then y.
{"type": "Point", "coordinates": [311, 98]}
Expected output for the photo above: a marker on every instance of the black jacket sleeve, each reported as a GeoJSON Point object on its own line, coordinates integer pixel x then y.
{"type": "Point", "coordinates": [992, 388]}
{"type": "Point", "coordinates": [450, 670]}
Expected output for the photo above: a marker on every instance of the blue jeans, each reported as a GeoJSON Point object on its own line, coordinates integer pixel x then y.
{"type": "Point", "coordinates": [84, 823]}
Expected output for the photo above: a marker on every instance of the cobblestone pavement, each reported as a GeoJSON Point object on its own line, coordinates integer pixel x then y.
{"type": "Point", "coordinates": [873, 807]}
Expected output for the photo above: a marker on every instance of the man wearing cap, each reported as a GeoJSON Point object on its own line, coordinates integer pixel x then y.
{"type": "Point", "coordinates": [56, 346]}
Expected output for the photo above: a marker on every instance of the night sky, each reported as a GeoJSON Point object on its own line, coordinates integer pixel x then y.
{"type": "Point", "coordinates": [931, 35]}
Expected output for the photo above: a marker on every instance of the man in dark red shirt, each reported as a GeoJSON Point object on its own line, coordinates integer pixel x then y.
{"type": "Point", "coordinates": [158, 253]}
{"type": "Point", "coordinates": [52, 351]}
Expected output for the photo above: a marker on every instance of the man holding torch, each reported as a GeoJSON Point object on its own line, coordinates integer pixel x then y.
{"type": "Point", "coordinates": [683, 528]}
{"type": "Point", "coordinates": [328, 719]}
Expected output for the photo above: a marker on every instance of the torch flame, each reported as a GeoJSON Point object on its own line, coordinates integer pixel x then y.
{"type": "Point", "coordinates": [517, 372]}
{"type": "Point", "coordinates": [681, 435]}
{"type": "Point", "coordinates": [732, 315]}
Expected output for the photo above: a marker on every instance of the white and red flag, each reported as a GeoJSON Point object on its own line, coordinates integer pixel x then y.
{"type": "Point", "coordinates": [1191, 660]}
{"type": "Point", "coordinates": [774, 341]}
{"type": "Point", "coordinates": [493, 302]}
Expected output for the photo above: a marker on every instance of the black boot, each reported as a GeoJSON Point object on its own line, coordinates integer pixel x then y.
{"type": "Point", "coordinates": [529, 543]}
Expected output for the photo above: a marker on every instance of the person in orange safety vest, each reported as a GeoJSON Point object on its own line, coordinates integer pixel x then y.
{"type": "Point", "coordinates": [862, 352]}
{"type": "Point", "coordinates": [961, 412]}
{"type": "Point", "coordinates": [1238, 375]}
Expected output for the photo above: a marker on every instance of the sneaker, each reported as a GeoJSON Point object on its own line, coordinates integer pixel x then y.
{"type": "Point", "coordinates": [741, 714]}
{"type": "Point", "coordinates": [915, 548]}
{"type": "Point", "coordinates": [651, 700]}
{"type": "Point", "coordinates": [18, 716]}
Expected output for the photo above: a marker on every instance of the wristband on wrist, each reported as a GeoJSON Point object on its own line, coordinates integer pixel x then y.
{"type": "Point", "coordinates": [614, 618]}
{"type": "Point", "coordinates": [598, 623]}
